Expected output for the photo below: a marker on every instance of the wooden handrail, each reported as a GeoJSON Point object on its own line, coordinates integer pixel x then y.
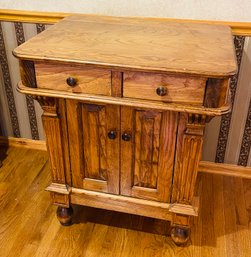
{"type": "Point", "coordinates": [238, 28]}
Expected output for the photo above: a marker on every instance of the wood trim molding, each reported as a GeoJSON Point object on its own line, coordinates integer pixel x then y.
{"type": "Point", "coordinates": [225, 169]}
{"type": "Point", "coordinates": [31, 16]}
{"type": "Point", "coordinates": [232, 170]}
{"type": "Point", "coordinates": [238, 28]}
{"type": "Point", "coordinates": [125, 101]}
{"type": "Point", "coordinates": [23, 142]}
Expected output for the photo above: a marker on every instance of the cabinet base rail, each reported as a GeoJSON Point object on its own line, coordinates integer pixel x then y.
{"type": "Point", "coordinates": [61, 193]}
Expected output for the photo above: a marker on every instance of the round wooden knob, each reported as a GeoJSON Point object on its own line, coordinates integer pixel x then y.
{"type": "Point", "coordinates": [161, 91]}
{"type": "Point", "coordinates": [71, 81]}
{"type": "Point", "coordinates": [126, 137]}
{"type": "Point", "coordinates": [112, 134]}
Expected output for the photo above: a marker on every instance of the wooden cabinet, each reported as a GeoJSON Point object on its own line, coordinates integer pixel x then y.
{"type": "Point", "coordinates": [125, 104]}
{"type": "Point", "coordinates": [122, 150]}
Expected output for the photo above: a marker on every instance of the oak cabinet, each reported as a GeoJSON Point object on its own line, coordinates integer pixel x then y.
{"type": "Point", "coordinates": [125, 102]}
{"type": "Point", "coordinates": [122, 150]}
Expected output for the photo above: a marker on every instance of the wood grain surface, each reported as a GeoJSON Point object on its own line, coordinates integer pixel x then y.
{"type": "Point", "coordinates": [136, 43]}
{"type": "Point", "coordinates": [77, 49]}
{"type": "Point", "coordinates": [29, 226]}
{"type": "Point", "coordinates": [94, 157]}
{"type": "Point", "coordinates": [89, 80]}
{"type": "Point", "coordinates": [180, 89]}
{"type": "Point", "coordinates": [147, 159]}
{"type": "Point", "coordinates": [140, 103]}
{"type": "Point", "coordinates": [188, 154]}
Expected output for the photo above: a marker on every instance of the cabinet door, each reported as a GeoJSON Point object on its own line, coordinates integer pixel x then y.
{"type": "Point", "coordinates": [147, 153]}
{"type": "Point", "coordinates": [94, 146]}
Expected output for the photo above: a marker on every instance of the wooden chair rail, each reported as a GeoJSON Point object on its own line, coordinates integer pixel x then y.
{"type": "Point", "coordinates": [238, 28]}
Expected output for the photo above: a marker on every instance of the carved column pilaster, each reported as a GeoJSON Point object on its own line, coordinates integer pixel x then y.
{"type": "Point", "coordinates": [189, 145]}
{"type": "Point", "coordinates": [53, 125]}
{"type": "Point", "coordinates": [188, 159]}
{"type": "Point", "coordinates": [188, 154]}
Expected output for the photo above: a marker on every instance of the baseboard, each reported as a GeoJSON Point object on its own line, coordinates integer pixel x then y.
{"type": "Point", "coordinates": [225, 169]}
{"type": "Point", "coordinates": [23, 142]}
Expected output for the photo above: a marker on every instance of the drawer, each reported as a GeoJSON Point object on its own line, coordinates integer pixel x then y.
{"type": "Point", "coordinates": [162, 87]}
{"type": "Point", "coordinates": [88, 80]}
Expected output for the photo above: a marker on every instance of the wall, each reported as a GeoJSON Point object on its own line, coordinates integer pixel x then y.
{"type": "Point", "coordinates": [233, 10]}
{"type": "Point", "coordinates": [239, 115]}
{"type": "Point", "coordinates": [179, 9]}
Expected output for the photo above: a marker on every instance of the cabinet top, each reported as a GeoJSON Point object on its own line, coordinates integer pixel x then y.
{"type": "Point", "coordinates": [145, 44]}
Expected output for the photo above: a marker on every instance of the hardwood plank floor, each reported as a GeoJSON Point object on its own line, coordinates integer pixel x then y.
{"type": "Point", "coordinates": [29, 227]}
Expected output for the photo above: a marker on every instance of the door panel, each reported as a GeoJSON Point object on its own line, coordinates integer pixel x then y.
{"type": "Point", "coordinates": [94, 156]}
{"type": "Point", "coordinates": [147, 158]}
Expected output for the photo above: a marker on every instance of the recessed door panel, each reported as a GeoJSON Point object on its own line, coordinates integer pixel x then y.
{"type": "Point", "coordinates": [94, 134]}
{"type": "Point", "coordinates": [147, 157]}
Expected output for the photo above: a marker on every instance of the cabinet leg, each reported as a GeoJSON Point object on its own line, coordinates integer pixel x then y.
{"type": "Point", "coordinates": [180, 235]}
{"type": "Point", "coordinates": [64, 215]}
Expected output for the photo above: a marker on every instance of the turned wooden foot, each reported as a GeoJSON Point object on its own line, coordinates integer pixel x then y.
{"type": "Point", "coordinates": [180, 235]}
{"type": "Point", "coordinates": [64, 215]}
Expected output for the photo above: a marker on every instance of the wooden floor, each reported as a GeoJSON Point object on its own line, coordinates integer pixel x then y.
{"type": "Point", "coordinates": [28, 225]}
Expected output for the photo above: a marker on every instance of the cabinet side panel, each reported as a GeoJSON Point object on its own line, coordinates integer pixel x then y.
{"type": "Point", "coordinates": [216, 93]}
{"type": "Point", "coordinates": [27, 73]}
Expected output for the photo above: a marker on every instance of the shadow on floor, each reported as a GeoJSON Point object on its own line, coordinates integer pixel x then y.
{"type": "Point", "coordinates": [3, 152]}
{"type": "Point", "coordinates": [84, 214]}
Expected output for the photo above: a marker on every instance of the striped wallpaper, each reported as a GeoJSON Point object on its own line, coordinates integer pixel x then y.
{"type": "Point", "coordinates": [228, 138]}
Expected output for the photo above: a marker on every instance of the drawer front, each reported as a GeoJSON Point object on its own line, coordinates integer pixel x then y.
{"type": "Point", "coordinates": [88, 80]}
{"type": "Point", "coordinates": [167, 88]}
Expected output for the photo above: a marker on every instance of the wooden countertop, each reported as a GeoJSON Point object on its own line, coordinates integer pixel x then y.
{"type": "Point", "coordinates": [150, 45]}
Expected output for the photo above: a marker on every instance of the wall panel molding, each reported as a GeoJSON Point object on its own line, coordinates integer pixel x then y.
{"type": "Point", "coordinates": [238, 28]}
